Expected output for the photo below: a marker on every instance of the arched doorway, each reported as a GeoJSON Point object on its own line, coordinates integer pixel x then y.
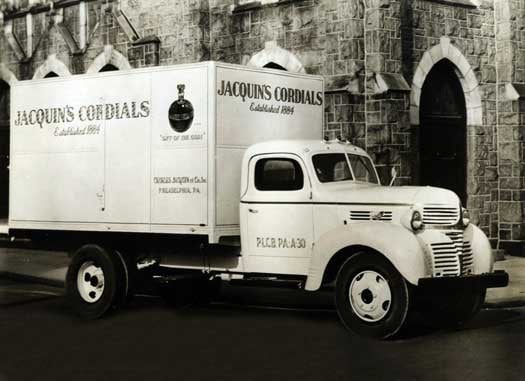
{"type": "Point", "coordinates": [4, 149]}
{"type": "Point", "coordinates": [51, 74]}
{"type": "Point", "coordinates": [443, 120]}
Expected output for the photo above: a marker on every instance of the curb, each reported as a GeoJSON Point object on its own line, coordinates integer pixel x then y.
{"type": "Point", "coordinates": [32, 279]}
{"type": "Point", "coordinates": [504, 304]}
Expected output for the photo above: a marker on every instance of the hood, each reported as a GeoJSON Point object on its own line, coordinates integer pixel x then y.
{"type": "Point", "coordinates": [377, 194]}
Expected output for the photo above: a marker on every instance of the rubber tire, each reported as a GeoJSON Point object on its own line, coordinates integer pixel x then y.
{"type": "Point", "coordinates": [396, 316]}
{"type": "Point", "coordinates": [453, 310]}
{"type": "Point", "coordinates": [114, 282]}
{"type": "Point", "coordinates": [127, 269]}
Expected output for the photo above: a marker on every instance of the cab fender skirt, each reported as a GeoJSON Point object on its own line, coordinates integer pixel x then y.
{"type": "Point", "coordinates": [396, 243]}
{"type": "Point", "coordinates": [481, 249]}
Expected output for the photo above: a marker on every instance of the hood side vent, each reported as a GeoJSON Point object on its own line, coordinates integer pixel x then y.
{"type": "Point", "coordinates": [366, 215]}
{"type": "Point", "coordinates": [360, 215]}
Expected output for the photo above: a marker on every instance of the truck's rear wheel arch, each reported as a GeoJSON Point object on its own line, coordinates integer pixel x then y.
{"type": "Point", "coordinates": [337, 260]}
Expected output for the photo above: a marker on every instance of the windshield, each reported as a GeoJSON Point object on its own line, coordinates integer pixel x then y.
{"type": "Point", "coordinates": [363, 168]}
{"type": "Point", "coordinates": [333, 167]}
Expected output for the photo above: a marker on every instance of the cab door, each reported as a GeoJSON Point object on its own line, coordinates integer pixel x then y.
{"type": "Point", "coordinates": [276, 215]}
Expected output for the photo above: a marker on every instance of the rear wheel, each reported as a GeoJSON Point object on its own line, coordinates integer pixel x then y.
{"type": "Point", "coordinates": [372, 298]}
{"type": "Point", "coordinates": [96, 280]}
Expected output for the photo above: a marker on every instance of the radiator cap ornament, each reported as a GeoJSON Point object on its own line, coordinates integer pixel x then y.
{"type": "Point", "coordinates": [180, 113]}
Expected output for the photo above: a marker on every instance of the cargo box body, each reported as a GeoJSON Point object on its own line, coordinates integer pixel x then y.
{"type": "Point", "coordinates": [118, 152]}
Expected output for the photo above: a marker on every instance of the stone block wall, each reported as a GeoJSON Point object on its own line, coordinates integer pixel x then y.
{"type": "Point", "coordinates": [352, 43]}
{"type": "Point", "coordinates": [182, 26]}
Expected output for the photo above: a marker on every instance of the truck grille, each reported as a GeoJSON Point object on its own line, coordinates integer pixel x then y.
{"type": "Point", "coordinates": [445, 259]}
{"type": "Point", "coordinates": [452, 258]}
{"type": "Point", "coordinates": [440, 214]}
{"type": "Point", "coordinates": [467, 259]}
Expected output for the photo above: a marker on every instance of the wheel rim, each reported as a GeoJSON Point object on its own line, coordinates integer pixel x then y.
{"type": "Point", "coordinates": [90, 282]}
{"type": "Point", "coordinates": [370, 296]}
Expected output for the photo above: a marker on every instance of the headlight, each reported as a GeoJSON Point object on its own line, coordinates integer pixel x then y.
{"type": "Point", "coordinates": [417, 221]}
{"type": "Point", "coordinates": [465, 217]}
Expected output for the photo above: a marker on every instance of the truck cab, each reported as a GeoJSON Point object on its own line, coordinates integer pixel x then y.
{"type": "Point", "coordinates": [317, 209]}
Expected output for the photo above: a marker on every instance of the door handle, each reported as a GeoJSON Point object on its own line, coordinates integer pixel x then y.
{"type": "Point", "coordinates": [253, 210]}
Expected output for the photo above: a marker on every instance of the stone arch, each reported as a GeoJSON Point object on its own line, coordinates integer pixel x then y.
{"type": "Point", "coordinates": [52, 64]}
{"type": "Point", "coordinates": [466, 76]}
{"type": "Point", "coordinates": [109, 56]}
{"type": "Point", "coordinates": [272, 53]}
{"type": "Point", "coordinates": [7, 75]}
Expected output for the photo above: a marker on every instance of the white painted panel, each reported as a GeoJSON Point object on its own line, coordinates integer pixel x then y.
{"type": "Point", "coordinates": [179, 178]}
{"type": "Point", "coordinates": [179, 187]}
{"type": "Point", "coordinates": [255, 106]}
{"type": "Point", "coordinates": [57, 155]}
{"type": "Point", "coordinates": [52, 187]}
{"type": "Point", "coordinates": [127, 186]}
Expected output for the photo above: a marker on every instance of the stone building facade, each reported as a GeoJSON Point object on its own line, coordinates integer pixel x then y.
{"type": "Point", "coordinates": [434, 88]}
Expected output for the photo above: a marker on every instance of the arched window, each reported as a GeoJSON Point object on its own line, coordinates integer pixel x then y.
{"type": "Point", "coordinates": [108, 67]}
{"type": "Point", "coordinates": [273, 65]}
{"type": "Point", "coordinates": [109, 60]}
{"type": "Point", "coordinates": [275, 57]}
{"type": "Point", "coordinates": [51, 74]}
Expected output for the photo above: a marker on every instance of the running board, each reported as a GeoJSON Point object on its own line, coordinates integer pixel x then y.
{"type": "Point", "coordinates": [268, 282]}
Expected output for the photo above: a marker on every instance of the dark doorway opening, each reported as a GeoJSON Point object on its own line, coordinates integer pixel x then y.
{"type": "Point", "coordinates": [4, 150]}
{"type": "Point", "coordinates": [273, 65]}
{"type": "Point", "coordinates": [108, 67]}
{"type": "Point", "coordinates": [443, 124]}
{"type": "Point", "coordinates": [51, 74]}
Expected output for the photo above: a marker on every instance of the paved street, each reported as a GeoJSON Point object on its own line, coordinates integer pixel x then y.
{"type": "Point", "coordinates": [39, 339]}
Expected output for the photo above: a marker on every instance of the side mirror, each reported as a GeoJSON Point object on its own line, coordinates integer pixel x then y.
{"type": "Point", "coordinates": [393, 174]}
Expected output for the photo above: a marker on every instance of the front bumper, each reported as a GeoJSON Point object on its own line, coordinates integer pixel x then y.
{"type": "Point", "coordinates": [498, 278]}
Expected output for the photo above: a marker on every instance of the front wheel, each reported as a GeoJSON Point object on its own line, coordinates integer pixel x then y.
{"type": "Point", "coordinates": [372, 298]}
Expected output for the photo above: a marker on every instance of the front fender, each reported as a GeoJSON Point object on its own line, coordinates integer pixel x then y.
{"type": "Point", "coordinates": [398, 244]}
{"type": "Point", "coordinates": [481, 249]}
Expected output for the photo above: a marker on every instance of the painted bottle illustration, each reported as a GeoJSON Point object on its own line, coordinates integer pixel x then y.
{"type": "Point", "coordinates": [181, 112]}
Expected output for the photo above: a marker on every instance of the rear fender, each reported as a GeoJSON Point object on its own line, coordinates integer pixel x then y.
{"type": "Point", "coordinates": [396, 243]}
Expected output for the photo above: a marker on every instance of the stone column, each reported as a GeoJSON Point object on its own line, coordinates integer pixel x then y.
{"type": "Point", "coordinates": [510, 125]}
{"type": "Point", "coordinates": [387, 98]}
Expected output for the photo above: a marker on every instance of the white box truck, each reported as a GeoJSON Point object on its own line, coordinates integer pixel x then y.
{"type": "Point", "coordinates": [220, 171]}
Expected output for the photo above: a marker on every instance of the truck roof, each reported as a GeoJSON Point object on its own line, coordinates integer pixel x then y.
{"type": "Point", "coordinates": [300, 147]}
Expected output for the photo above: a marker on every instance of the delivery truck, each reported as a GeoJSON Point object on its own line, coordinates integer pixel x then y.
{"type": "Point", "coordinates": [218, 171]}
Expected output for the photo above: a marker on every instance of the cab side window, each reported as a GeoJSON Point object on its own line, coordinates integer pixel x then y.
{"type": "Point", "coordinates": [278, 174]}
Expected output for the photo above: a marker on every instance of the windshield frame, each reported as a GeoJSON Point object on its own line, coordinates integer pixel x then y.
{"type": "Point", "coordinates": [374, 172]}
{"type": "Point", "coordinates": [348, 163]}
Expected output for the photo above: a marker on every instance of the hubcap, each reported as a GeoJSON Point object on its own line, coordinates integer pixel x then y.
{"type": "Point", "coordinates": [90, 282]}
{"type": "Point", "coordinates": [370, 296]}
